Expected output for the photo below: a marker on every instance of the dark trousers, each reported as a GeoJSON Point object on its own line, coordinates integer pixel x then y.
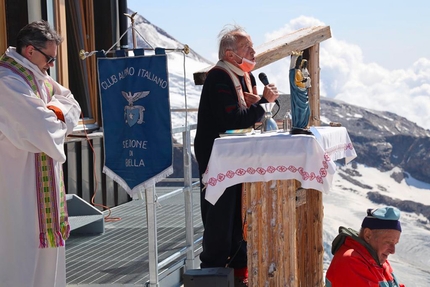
{"type": "Point", "coordinates": [223, 243]}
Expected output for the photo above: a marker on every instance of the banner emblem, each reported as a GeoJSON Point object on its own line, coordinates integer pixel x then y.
{"type": "Point", "coordinates": [134, 114]}
{"type": "Point", "coordinates": [134, 95]}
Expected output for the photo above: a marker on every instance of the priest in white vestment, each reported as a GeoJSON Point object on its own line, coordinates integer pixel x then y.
{"type": "Point", "coordinates": [36, 114]}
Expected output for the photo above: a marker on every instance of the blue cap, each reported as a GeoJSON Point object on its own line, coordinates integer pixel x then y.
{"type": "Point", "coordinates": [382, 218]}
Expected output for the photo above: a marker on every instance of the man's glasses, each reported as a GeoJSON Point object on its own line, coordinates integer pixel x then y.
{"type": "Point", "coordinates": [49, 59]}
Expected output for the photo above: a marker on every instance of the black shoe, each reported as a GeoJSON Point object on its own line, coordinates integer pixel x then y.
{"type": "Point", "coordinates": [298, 131]}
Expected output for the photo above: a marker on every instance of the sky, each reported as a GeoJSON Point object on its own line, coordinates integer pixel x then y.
{"type": "Point", "coordinates": [393, 34]}
{"type": "Point", "coordinates": [377, 57]}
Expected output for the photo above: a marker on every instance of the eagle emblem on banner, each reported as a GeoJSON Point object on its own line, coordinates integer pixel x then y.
{"type": "Point", "coordinates": [137, 129]}
{"type": "Point", "coordinates": [134, 114]}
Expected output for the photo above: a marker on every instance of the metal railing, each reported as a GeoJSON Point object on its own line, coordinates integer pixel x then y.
{"type": "Point", "coordinates": [83, 177]}
{"type": "Point", "coordinates": [151, 202]}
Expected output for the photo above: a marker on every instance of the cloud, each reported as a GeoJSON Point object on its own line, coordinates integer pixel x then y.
{"type": "Point", "coordinates": [345, 76]}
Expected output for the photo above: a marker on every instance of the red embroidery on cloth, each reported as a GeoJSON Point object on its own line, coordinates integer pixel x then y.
{"type": "Point", "coordinates": [323, 172]}
{"type": "Point", "coordinates": [271, 169]}
{"type": "Point", "coordinates": [282, 168]}
{"type": "Point", "coordinates": [221, 177]}
{"type": "Point", "coordinates": [240, 171]}
{"type": "Point", "coordinates": [230, 174]}
{"type": "Point", "coordinates": [340, 147]}
{"type": "Point", "coordinates": [261, 170]}
{"type": "Point", "coordinates": [292, 168]}
{"type": "Point", "coordinates": [325, 164]}
{"type": "Point", "coordinates": [306, 176]}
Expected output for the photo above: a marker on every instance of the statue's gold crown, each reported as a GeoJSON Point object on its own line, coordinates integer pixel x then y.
{"type": "Point", "coordinates": [297, 53]}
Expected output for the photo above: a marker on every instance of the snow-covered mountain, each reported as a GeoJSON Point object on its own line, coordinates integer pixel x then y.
{"type": "Point", "coordinates": [361, 184]}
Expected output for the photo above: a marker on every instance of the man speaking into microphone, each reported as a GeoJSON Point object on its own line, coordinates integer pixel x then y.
{"type": "Point", "coordinates": [265, 81]}
{"type": "Point", "coordinates": [229, 100]}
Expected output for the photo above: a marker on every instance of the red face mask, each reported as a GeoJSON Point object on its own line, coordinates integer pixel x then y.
{"type": "Point", "coordinates": [246, 64]}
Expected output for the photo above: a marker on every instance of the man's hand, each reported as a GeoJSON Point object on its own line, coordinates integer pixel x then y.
{"type": "Point", "coordinates": [270, 93]}
{"type": "Point", "coordinates": [250, 98]}
{"type": "Point", "coordinates": [57, 112]}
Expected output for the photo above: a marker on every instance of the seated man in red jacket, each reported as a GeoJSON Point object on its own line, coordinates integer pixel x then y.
{"type": "Point", "coordinates": [360, 259]}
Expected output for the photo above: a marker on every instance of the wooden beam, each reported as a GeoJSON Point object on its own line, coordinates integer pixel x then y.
{"type": "Point", "coordinates": [90, 45]}
{"type": "Point", "coordinates": [280, 48]}
{"type": "Point", "coordinates": [3, 29]}
{"type": "Point", "coordinates": [61, 28]}
{"type": "Point", "coordinates": [297, 41]}
{"type": "Point", "coordinates": [314, 90]}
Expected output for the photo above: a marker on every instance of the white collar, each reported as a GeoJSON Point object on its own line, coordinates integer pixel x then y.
{"type": "Point", "coordinates": [233, 68]}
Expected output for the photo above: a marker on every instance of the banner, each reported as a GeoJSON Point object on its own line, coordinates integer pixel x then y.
{"type": "Point", "coordinates": [134, 96]}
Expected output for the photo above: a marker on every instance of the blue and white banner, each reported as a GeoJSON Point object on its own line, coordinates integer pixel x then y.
{"type": "Point", "coordinates": [134, 95]}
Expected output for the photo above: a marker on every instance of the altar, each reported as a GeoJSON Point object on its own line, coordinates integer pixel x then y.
{"type": "Point", "coordinates": [284, 175]}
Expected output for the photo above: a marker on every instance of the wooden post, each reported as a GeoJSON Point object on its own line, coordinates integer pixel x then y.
{"type": "Point", "coordinates": [314, 90]}
{"type": "Point", "coordinates": [271, 233]}
{"type": "Point", "coordinates": [310, 249]}
{"type": "Point", "coordinates": [3, 27]}
{"type": "Point", "coordinates": [61, 63]}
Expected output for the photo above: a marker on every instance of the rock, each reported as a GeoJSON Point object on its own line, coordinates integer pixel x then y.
{"type": "Point", "coordinates": [382, 139]}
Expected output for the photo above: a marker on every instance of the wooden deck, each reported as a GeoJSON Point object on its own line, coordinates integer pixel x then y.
{"type": "Point", "coordinates": [119, 257]}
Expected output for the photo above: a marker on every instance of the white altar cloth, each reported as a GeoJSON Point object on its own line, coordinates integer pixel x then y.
{"type": "Point", "coordinates": [275, 156]}
{"type": "Point", "coordinates": [336, 142]}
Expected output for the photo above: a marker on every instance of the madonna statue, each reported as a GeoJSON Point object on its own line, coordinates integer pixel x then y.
{"type": "Point", "coordinates": [300, 110]}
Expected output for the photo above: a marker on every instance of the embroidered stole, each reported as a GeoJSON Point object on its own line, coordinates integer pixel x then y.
{"type": "Point", "coordinates": [234, 77]}
{"type": "Point", "coordinates": [54, 227]}
{"type": "Point", "coordinates": [242, 105]}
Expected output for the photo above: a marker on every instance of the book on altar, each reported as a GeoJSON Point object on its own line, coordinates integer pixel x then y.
{"type": "Point", "coordinates": [238, 132]}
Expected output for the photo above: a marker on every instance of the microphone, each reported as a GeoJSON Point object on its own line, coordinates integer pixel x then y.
{"type": "Point", "coordinates": [263, 78]}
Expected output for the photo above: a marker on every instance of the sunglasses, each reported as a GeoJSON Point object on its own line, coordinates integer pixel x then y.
{"type": "Point", "coordinates": [49, 59]}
